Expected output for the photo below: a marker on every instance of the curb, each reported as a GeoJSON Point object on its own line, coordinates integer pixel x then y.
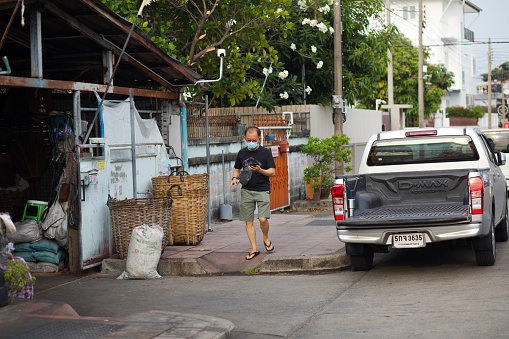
{"type": "Point", "coordinates": [270, 264]}
{"type": "Point", "coordinates": [175, 267]}
{"type": "Point", "coordinates": [305, 205]}
{"type": "Point", "coordinates": [305, 263]}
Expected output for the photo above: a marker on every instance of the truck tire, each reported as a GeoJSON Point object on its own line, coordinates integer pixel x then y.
{"type": "Point", "coordinates": [502, 230]}
{"type": "Point", "coordinates": [364, 261]}
{"type": "Point", "coordinates": [487, 256]}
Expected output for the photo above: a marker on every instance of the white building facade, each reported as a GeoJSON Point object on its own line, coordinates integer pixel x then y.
{"type": "Point", "coordinates": [446, 32]}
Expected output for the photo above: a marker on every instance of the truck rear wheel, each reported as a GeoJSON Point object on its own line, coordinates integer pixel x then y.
{"type": "Point", "coordinates": [488, 255]}
{"type": "Point", "coordinates": [364, 261]}
{"type": "Point", "coordinates": [502, 230]}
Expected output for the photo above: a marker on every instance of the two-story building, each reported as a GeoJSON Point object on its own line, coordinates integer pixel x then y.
{"type": "Point", "coordinates": [446, 32]}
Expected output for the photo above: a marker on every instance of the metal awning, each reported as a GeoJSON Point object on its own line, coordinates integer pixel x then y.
{"type": "Point", "coordinates": [78, 40]}
{"type": "Point", "coordinates": [471, 8]}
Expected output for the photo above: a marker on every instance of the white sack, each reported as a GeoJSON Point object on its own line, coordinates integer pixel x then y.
{"type": "Point", "coordinates": [26, 231]}
{"type": "Point", "coordinates": [57, 215]}
{"type": "Point", "coordinates": [144, 253]}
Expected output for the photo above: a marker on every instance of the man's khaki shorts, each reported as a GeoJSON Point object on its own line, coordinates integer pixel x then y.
{"type": "Point", "coordinates": [248, 202]}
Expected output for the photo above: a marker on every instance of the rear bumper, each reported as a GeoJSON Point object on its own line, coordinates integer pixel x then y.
{"type": "Point", "coordinates": [379, 236]}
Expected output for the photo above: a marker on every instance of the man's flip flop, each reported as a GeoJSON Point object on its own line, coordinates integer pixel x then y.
{"type": "Point", "coordinates": [267, 246]}
{"type": "Point", "coordinates": [252, 255]}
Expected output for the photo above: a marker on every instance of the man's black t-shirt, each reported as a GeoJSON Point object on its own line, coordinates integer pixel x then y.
{"type": "Point", "coordinates": [261, 156]}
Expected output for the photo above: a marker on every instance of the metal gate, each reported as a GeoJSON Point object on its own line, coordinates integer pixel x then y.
{"type": "Point", "coordinates": [279, 127]}
{"type": "Point", "coordinates": [279, 196]}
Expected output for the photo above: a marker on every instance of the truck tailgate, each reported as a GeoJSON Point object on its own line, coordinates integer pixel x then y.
{"type": "Point", "coordinates": [403, 198]}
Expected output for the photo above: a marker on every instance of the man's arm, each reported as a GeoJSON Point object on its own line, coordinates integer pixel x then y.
{"type": "Point", "coordinates": [269, 172]}
{"type": "Point", "coordinates": [235, 177]}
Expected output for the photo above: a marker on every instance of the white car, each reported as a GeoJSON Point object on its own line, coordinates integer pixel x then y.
{"type": "Point", "coordinates": [499, 141]}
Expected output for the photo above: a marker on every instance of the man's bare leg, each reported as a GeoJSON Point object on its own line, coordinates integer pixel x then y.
{"type": "Point", "coordinates": [251, 234]}
{"type": "Point", "coordinates": [264, 226]}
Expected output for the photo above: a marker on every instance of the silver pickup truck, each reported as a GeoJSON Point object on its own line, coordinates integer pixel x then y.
{"type": "Point", "coordinates": [421, 186]}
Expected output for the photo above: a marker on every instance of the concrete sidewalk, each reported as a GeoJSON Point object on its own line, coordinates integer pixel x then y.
{"type": "Point", "coordinates": [303, 241]}
{"type": "Point", "coordinates": [40, 319]}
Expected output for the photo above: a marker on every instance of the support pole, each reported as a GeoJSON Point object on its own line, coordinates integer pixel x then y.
{"type": "Point", "coordinates": [304, 83]}
{"type": "Point", "coordinates": [421, 61]}
{"type": "Point", "coordinates": [133, 143]}
{"type": "Point", "coordinates": [36, 44]}
{"type": "Point", "coordinates": [390, 83]}
{"type": "Point", "coordinates": [338, 77]}
{"type": "Point", "coordinates": [489, 83]}
{"type": "Point", "coordinates": [209, 226]}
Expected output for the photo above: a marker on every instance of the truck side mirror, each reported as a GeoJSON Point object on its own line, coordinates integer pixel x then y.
{"type": "Point", "coordinates": [501, 158]}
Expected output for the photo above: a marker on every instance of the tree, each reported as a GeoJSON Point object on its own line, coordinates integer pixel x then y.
{"type": "Point", "coordinates": [268, 40]}
{"type": "Point", "coordinates": [192, 31]}
{"type": "Point", "coordinates": [498, 73]}
{"type": "Point", "coordinates": [405, 77]}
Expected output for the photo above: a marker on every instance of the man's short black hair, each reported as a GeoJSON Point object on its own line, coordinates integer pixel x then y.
{"type": "Point", "coordinates": [255, 128]}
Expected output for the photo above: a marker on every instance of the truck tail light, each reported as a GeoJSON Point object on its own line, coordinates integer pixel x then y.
{"type": "Point", "coordinates": [476, 195]}
{"type": "Point", "coordinates": [338, 201]}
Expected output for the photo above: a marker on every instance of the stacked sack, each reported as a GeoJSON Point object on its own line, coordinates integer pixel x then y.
{"type": "Point", "coordinates": [31, 245]}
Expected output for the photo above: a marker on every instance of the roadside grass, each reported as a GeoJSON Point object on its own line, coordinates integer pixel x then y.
{"type": "Point", "coordinates": [252, 271]}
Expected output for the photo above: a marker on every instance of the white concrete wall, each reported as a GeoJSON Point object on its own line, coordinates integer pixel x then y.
{"type": "Point", "coordinates": [297, 162]}
{"type": "Point", "coordinates": [361, 124]}
{"type": "Point", "coordinates": [320, 119]}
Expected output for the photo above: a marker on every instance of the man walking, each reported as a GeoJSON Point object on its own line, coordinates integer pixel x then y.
{"type": "Point", "coordinates": [253, 167]}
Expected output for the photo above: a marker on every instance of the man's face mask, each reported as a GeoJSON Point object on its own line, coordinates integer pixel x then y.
{"type": "Point", "coordinates": [251, 142]}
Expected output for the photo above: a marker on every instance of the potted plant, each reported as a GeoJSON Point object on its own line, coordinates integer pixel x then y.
{"type": "Point", "coordinates": [325, 153]}
{"type": "Point", "coordinates": [461, 116]}
{"type": "Point", "coordinates": [15, 277]}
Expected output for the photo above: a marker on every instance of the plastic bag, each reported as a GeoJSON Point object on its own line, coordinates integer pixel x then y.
{"type": "Point", "coordinates": [57, 215]}
{"type": "Point", "coordinates": [27, 231]}
{"type": "Point", "coordinates": [144, 253]}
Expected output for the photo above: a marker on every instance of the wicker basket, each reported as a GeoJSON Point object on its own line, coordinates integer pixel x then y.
{"type": "Point", "coordinates": [190, 201]}
{"type": "Point", "coordinates": [181, 178]}
{"type": "Point", "coordinates": [13, 202]}
{"type": "Point", "coordinates": [128, 214]}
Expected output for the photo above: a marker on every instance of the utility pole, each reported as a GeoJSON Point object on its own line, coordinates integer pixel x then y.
{"type": "Point", "coordinates": [390, 83]}
{"type": "Point", "coordinates": [420, 87]}
{"type": "Point", "coordinates": [337, 101]}
{"type": "Point", "coordinates": [489, 83]}
{"type": "Point", "coordinates": [504, 109]}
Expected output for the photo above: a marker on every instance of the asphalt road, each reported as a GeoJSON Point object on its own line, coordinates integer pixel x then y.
{"type": "Point", "coordinates": [434, 292]}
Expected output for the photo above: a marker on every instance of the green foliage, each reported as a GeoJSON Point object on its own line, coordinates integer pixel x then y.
{"type": "Point", "coordinates": [405, 77]}
{"type": "Point", "coordinates": [325, 152]}
{"type": "Point", "coordinates": [252, 271]}
{"type": "Point", "coordinates": [471, 112]}
{"type": "Point", "coordinates": [258, 36]}
{"type": "Point", "coordinates": [498, 73]}
{"type": "Point", "coordinates": [16, 276]}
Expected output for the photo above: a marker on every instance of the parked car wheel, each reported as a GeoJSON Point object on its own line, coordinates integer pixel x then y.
{"type": "Point", "coordinates": [488, 256]}
{"type": "Point", "coordinates": [502, 230]}
{"type": "Point", "coordinates": [364, 261]}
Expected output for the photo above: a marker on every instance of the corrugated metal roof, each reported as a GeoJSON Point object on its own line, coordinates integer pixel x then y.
{"type": "Point", "coordinates": [75, 33]}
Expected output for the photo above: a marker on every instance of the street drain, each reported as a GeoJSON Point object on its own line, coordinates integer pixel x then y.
{"type": "Point", "coordinates": [71, 330]}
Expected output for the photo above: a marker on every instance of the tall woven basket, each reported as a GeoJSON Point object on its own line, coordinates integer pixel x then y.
{"type": "Point", "coordinates": [190, 201]}
{"type": "Point", "coordinates": [128, 214]}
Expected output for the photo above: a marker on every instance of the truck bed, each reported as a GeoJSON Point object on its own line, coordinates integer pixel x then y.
{"type": "Point", "coordinates": [402, 198]}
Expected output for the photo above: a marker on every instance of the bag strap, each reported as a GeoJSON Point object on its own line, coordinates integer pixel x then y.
{"type": "Point", "coordinates": [179, 191]}
{"type": "Point", "coordinates": [181, 173]}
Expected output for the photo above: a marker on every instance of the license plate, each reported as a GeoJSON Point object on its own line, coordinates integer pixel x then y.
{"type": "Point", "coordinates": [408, 240]}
